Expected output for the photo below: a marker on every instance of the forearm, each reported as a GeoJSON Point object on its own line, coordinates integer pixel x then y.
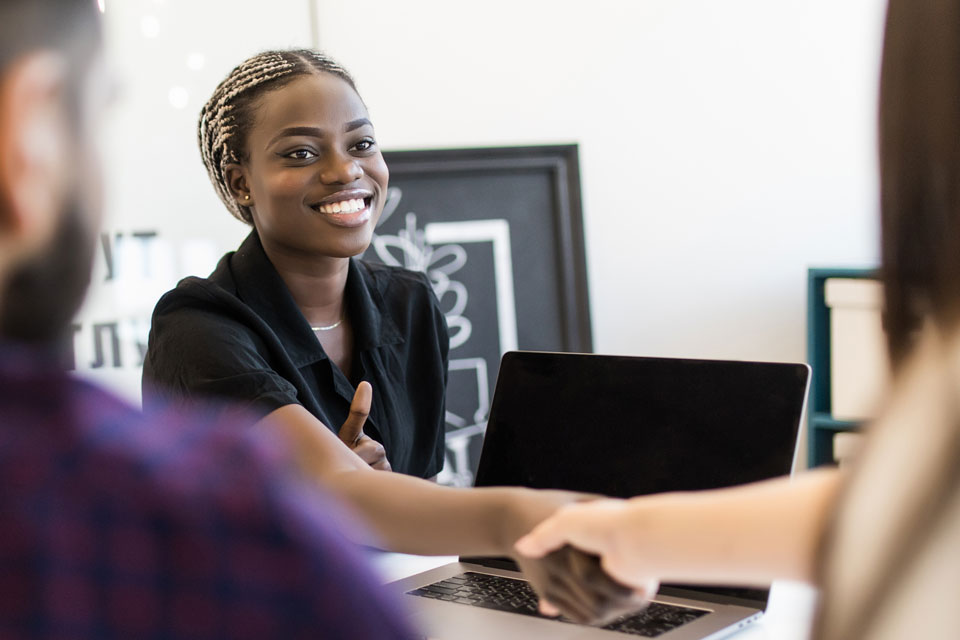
{"type": "Point", "coordinates": [409, 514]}
{"type": "Point", "coordinates": [745, 535]}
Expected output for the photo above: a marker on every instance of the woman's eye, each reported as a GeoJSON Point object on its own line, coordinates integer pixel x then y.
{"type": "Point", "coordinates": [365, 144]}
{"type": "Point", "coordinates": [301, 154]}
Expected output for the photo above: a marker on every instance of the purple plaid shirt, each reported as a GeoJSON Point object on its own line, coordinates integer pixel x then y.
{"type": "Point", "coordinates": [168, 525]}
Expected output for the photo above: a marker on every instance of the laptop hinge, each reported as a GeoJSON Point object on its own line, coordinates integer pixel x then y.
{"type": "Point", "coordinates": [494, 563]}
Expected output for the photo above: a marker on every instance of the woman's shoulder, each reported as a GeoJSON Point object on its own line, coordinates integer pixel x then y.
{"type": "Point", "coordinates": [204, 308]}
{"type": "Point", "coordinates": [894, 496]}
{"type": "Point", "coordinates": [194, 292]}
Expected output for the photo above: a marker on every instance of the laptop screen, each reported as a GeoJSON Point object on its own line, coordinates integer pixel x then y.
{"type": "Point", "coordinates": [628, 426]}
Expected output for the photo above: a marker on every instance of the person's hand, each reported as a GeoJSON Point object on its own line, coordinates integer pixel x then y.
{"type": "Point", "coordinates": [569, 582]}
{"type": "Point", "coordinates": [573, 584]}
{"type": "Point", "coordinates": [351, 432]}
{"type": "Point", "coordinates": [596, 528]}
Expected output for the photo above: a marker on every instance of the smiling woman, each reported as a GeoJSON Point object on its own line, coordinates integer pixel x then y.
{"type": "Point", "coordinates": [290, 149]}
{"type": "Point", "coordinates": [349, 359]}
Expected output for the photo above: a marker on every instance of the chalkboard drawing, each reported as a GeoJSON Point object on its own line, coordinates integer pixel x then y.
{"type": "Point", "coordinates": [457, 470]}
{"type": "Point", "coordinates": [438, 249]}
{"type": "Point", "coordinates": [439, 263]}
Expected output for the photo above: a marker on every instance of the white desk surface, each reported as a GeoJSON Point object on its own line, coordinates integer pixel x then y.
{"type": "Point", "coordinates": [788, 616]}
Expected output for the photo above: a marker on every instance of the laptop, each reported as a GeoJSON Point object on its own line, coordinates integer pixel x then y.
{"type": "Point", "coordinates": [619, 426]}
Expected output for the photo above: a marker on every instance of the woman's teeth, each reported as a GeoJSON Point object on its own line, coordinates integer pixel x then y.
{"type": "Point", "coordinates": [344, 206]}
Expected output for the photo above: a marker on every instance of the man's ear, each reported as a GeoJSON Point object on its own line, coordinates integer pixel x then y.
{"type": "Point", "coordinates": [34, 150]}
{"type": "Point", "coordinates": [237, 184]}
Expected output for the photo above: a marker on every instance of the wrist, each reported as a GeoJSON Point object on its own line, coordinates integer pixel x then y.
{"type": "Point", "coordinates": [524, 509]}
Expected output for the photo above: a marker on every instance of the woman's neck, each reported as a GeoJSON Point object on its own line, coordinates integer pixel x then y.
{"type": "Point", "coordinates": [316, 283]}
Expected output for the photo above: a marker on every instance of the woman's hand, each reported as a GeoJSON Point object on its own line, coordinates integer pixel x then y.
{"type": "Point", "coordinates": [596, 528]}
{"type": "Point", "coordinates": [571, 582]}
{"type": "Point", "coordinates": [351, 432]}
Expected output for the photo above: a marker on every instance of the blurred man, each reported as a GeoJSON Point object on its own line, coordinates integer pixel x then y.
{"type": "Point", "coordinates": [115, 524]}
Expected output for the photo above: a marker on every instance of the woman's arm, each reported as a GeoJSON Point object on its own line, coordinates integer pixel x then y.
{"type": "Point", "coordinates": [743, 535]}
{"type": "Point", "coordinates": [408, 514]}
{"type": "Point", "coordinates": [412, 515]}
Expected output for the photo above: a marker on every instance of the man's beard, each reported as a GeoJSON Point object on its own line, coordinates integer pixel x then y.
{"type": "Point", "coordinates": [44, 293]}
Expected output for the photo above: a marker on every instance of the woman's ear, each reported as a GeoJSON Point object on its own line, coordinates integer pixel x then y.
{"type": "Point", "coordinates": [236, 179]}
{"type": "Point", "coordinates": [35, 147]}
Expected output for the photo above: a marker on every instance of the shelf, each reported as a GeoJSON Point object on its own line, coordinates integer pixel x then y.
{"type": "Point", "coordinates": [822, 427]}
{"type": "Point", "coordinates": [828, 423]}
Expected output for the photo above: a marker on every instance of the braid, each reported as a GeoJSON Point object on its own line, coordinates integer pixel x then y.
{"type": "Point", "coordinates": [226, 117]}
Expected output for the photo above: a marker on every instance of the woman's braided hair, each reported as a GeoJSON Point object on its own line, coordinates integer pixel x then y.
{"type": "Point", "coordinates": [227, 116]}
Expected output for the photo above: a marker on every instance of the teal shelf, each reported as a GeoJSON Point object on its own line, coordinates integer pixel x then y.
{"type": "Point", "coordinates": [821, 426]}
{"type": "Point", "coordinates": [829, 423]}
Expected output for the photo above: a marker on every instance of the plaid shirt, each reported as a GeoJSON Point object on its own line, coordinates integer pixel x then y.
{"type": "Point", "coordinates": [168, 525]}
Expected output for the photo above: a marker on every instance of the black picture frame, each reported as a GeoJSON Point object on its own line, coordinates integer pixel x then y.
{"type": "Point", "coordinates": [479, 202]}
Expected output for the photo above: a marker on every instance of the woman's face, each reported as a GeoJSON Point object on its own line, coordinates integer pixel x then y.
{"type": "Point", "coordinates": [314, 173]}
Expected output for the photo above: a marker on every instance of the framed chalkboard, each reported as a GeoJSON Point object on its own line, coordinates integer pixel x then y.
{"type": "Point", "coordinates": [499, 233]}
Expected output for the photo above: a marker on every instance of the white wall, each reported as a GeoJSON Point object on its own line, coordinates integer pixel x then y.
{"type": "Point", "coordinates": [725, 146]}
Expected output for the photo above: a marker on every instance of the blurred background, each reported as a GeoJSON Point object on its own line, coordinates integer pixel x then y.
{"type": "Point", "coordinates": [725, 147]}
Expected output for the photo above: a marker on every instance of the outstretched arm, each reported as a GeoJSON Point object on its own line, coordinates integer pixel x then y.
{"type": "Point", "coordinates": [412, 515]}
{"type": "Point", "coordinates": [408, 514]}
{"type": "Point", "coordinates": [743, 535]}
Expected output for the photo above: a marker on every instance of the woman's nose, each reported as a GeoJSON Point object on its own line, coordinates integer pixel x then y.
{"type": "Point", "coordinates": [341, 170]}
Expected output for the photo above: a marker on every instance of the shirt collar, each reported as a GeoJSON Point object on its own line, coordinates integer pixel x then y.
{"type": "Point", "coordinates": [373, 325]}
{"type": "Point", "coordinates": [260, 286]}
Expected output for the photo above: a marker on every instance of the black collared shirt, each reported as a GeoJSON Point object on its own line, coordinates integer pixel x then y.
{"type": "Point", "coordinates": [239, 334]}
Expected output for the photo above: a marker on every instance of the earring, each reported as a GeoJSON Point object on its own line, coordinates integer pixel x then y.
{"type": "Point", "coordinates": [246, 197]}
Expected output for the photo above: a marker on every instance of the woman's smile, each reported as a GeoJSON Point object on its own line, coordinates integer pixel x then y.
{"type": "Point", "coordinates": [348, 208]}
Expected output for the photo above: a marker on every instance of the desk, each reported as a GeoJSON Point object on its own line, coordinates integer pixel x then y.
{"type": "Point", "coordinates": [788, 613]}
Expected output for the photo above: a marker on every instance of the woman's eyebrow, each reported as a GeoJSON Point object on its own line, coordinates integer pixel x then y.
{"type": "Point", "coordinates": [317, 132]}
{"type": "Point", "coordinates": [356, 124]}
{"type": "Point", "coordinates": [297, 131]}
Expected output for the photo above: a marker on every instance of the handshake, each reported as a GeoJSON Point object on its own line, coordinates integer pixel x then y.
{"type": "Point", "coordinates": [579, 575]}
{"type": "Point", "coordinates": [570, 578]}
{"type": "Point", "coordinates": [567, 560]}
{"type": "Point", "coordinates": [572, 583]}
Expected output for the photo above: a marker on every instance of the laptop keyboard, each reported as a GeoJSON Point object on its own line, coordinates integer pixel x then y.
{"type": "Point", "coordinates": [517, 596]}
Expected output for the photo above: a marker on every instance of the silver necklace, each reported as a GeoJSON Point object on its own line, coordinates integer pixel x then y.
{"type": "Point", "coordinates": [329, 326]}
